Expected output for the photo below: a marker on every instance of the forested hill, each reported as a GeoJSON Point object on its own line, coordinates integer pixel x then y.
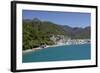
{"type": "Point", "coordinates": [78, 32]}
{"type": "Point", "coordinates": [36, 32]}
{"type": "Point", "coordinates": [44, 26]}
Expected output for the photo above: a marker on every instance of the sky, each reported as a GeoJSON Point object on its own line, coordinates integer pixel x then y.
{"type": "Point", "coordinates": [73, 19]}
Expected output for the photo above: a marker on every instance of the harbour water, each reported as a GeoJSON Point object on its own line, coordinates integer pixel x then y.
{"type": "Point", "coordinates": [59, 53]}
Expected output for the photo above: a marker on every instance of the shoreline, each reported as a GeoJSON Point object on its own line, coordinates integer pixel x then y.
{"type": "Point", "coordinates": [47, 46]}
{"type": "Point", "coordinates": [30, 50]}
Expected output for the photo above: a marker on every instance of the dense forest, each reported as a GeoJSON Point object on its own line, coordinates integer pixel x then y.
{"type": "Point", "coordinates": [37, 32]}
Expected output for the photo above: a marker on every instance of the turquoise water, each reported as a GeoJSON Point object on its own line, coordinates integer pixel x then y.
{"type": "Point", "coordinates": [60, 53]}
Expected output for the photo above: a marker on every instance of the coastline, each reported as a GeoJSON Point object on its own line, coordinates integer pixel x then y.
{"type": "Point", "coordinates": [30, 50]}
{"type": "Point", "coordinates": [69, 42]}
{"type": "Point", "coordinates": [34, 49]}
{"type": "Point", "coordinates": [38, 48]}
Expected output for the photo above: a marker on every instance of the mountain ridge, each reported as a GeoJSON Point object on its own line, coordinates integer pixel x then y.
{"type": "Point", "coordinates": [37, 32]}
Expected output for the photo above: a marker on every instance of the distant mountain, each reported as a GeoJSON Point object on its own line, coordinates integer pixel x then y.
{"type": "Point", "coordinates": [78, 32]}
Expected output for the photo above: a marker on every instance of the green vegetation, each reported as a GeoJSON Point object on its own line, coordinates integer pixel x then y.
{"type": "Point", "coordinates": [37, 32]}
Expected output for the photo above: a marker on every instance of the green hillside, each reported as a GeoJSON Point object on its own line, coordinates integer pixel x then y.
{"type": "Point", "coordinates": [37, 32]}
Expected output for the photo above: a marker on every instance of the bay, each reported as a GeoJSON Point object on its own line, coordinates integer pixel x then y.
{"type": "Point", "coordinates": [59, 53]}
